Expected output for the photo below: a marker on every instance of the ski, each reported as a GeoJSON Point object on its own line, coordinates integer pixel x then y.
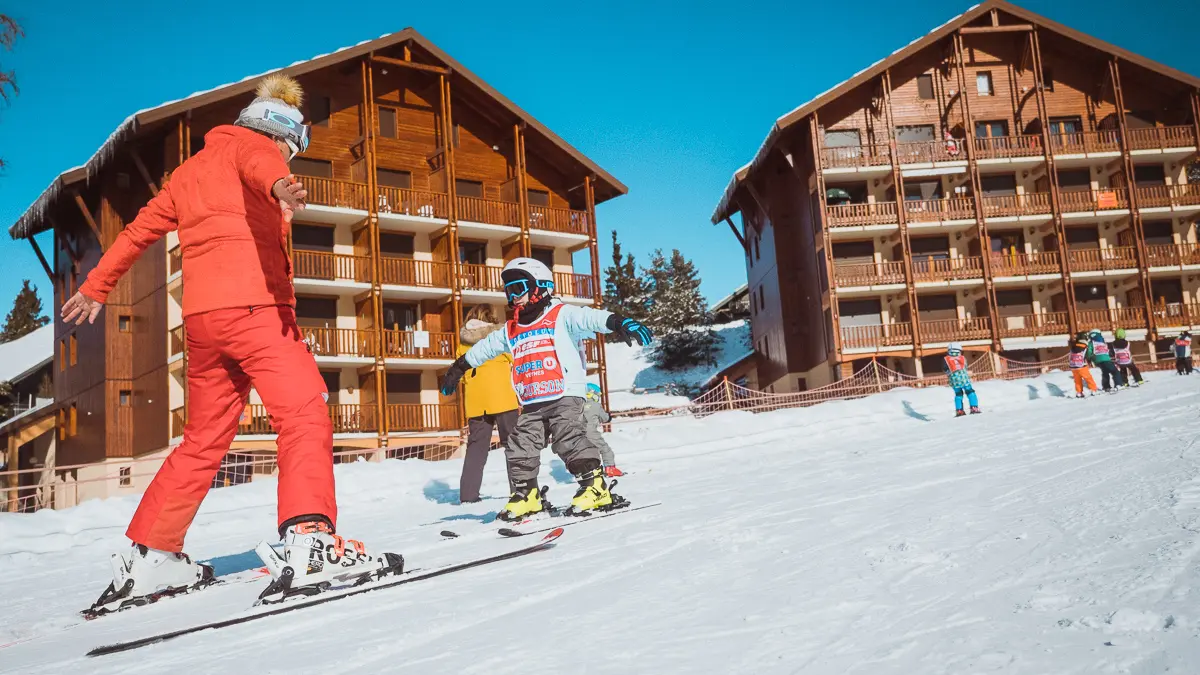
{"type": "Point", "coordinates": [574, 520]}
{"type": "Point", "coordinates": [546, 543]}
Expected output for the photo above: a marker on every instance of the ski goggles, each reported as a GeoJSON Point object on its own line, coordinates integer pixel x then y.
{"type": "Point", "coordinates": [296, 135]}
{"type": "Point", "coordinates": [518, 287]}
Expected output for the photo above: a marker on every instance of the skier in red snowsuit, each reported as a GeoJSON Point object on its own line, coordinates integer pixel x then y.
{"type": "Point", "coordinates": [232, 205]}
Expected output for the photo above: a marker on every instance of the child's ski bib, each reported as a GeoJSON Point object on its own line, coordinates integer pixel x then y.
{"type": "Point", "coordinates": [1124, 356]}
{"type": "Point", "coordinates": [959, 376]}
{"type": "Point", "coordinates": [537, 373]}
{"type": "Point", "coordinates": [1077, 360]}
{"type": "Point", "coordinates": [1100, 348]}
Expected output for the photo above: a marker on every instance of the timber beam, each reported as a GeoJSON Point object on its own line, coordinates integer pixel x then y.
{"type": "Point", "coordinates": [386, 60]}
{"type": "Point", "coordinates": [87, 215]}
{"type": "Point", "coordinates": [141, 167]}
{"type": "Point", "coordinates": [1014, 28]}
{"type": "Point", "coordinates": [41, 258]}
{"type": "Point", "coordinates": [740, 238]}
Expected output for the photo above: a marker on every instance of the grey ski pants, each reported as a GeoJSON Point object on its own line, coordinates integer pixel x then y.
{"type": "Point", "coordinates": [560, 420]}
{"type": "Point", "coordinates": [479, 440]}
{"type": "Point", "coordinates": [596, 416]}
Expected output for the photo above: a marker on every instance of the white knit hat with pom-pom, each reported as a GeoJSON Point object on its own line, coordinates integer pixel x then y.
{"type": "Point", "coordinates": [275, 111]}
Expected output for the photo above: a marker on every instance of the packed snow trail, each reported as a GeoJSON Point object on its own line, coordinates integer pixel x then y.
{"type": "Point", "coordinates": [873, 536]}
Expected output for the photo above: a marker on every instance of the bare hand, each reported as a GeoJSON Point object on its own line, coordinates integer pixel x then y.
{"type": "Point", "coordinates": [81, 308]}
{"type": "Point", "coordinates": [291, 194]}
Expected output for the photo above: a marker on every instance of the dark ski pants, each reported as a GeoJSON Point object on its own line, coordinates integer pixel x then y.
{"type": "Point", "coordinates": [561, 420]}
{"type": "Point", "coordinates": [1183, 365]}
{"type": "Point", "coordinates": [479, 441]}
{"type": "Point", "coordinates": [1108, 370]}
{"type": "Point", "coordinates": [1126, 369]}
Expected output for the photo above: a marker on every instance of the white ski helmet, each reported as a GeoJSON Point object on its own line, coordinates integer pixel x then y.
{"type": "Point", "coordinates": [526, 275]}
{"type": "Point", "coordinates": [954, 348]}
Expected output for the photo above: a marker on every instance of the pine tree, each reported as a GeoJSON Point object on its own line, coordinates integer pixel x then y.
{"type": "Point", "coordinates": [1193, 172]}
{"type": "Point", "coordinates": [5, 399]}
{"type": "Point", "coordinates": [26, 315]}
{"type": "Point", "coordinates": [679, 314]}
{"type": "Point", "coordinates": [625, 292]}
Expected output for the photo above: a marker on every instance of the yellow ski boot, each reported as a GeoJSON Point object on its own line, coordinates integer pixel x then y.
{"type": "Point", "coordinates": [525, 501]}
{"type": "Point", "coordinates": [593, 493]}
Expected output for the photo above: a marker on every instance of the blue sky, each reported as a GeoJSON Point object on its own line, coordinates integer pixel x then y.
{"type": "Point", "coordinates": [670, 97]}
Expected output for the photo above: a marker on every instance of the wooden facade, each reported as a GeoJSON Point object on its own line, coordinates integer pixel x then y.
{"type": "Point", "coordinates": [423, 181]}
{"type": "Point", "coordinates": [1002, 182]}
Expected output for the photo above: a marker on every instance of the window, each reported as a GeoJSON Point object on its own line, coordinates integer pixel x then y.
{"type": "Point", "coordinates": [1008, 242]}
{"type": "Point", "coordinates": [312, 238]}
{"type": "Point", "coordinates": [399, 316]}
{"type": "Point", "coordinates": [1047, 79]}
{"type": "Point", "coordinates": [983, 83]}
{"type": "Point", "coordinates": [62, 354]}
{"type": "Point", "coordinates": [457, 126]}
{"type": "Point", "coordinates": [937, 248]}
{"type": "Point", "coordinates": [1091, 293]}
{"type": "Point", "coordinates": [403, 383]}
{"type": "Point", "coordinates": [125, 476]}
{"type": "Point", "coordinates": [387, 122]}
{"type": "Point", "coordinates": [757, 253]}
{"type": "Point", "coordinates": [393, 178]}
{"type": "Point", "coordinates": [394, 243]}
{"type": "Point", "coordinates": [1083, 237]}
{"type": "Point", "coordinates": [543, 255]}
{"type": "Point", "coordinates": [538, 197]}
{"type": "Point", "coordinates": [318, 110]}
{"type": "Point", "coordinates": [916, 133]}
{"type": "Point", "coordinates": [924, 89]}
{"type": "Point", "coordinates": [72, 421]}
{"type": "Point", "coordinates": [992, 129]}
{"type": "Point", "coordinates": [316, 308]}
{"type": "Point", "coordinates": [468, 188]}
{"type": "Point", "coordinates": [999, 185]}
{"type": "Point", "coordinates": [943, 302]}
{"type": "Point", "coordinates": [1149, 174]}
{"type": "Point", "coordinates": [754, 303]}
{"type": "Point", "coordinates": [317, 168]}
{"type": "Point", "coordinates": [472, 252]}
{"type": "Point", "coordinates": [125, 398]}
{"type": "Point", "coordinates": [1065, 125]}
{"type": "Point", "coordinates": [767, 345]}
{"type": "Point", "coordinates": [1159, 232]}
{"type": "Point", "coordinates": [61, 420]}
{"type": "Point", "coordinates": [74, 349]}
{"type": "Point", "coordinates": [125, 323]}
{"type": "Point", "coordinates": [1075, 180]}
{"type": "Point", "coordinates": [762, 298]}
{"type": "Point", "coordinates": [854, 251]}
{"type": "Point", "coordinates": [926, 189]}
{"type": "Point", "coordinates": [842, 138]}
{"type": "Point", "coordinates": [333, 381]}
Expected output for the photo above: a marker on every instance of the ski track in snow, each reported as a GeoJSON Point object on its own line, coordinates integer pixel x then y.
{"type": "Point", "coordinates": [866, 537]}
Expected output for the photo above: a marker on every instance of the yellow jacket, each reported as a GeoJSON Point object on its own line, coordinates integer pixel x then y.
{"type": "Point", "coordinates": [488, 388]}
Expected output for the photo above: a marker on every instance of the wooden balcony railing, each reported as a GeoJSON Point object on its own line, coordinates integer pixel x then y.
{"type": "Point", "coordinates": [402, 201]}
{"type": "Point", "coordinates": [1174, 314]}
{"type": "Point", "coordinates": [1119, 317]}
{"type": "Point", "coordinates": [1009, 146]}
{"type": "Point", "coordinates": [1097, 259]}
{"type": "Point", "coordinates": [401, 344]}
{"type": "Point", "coordinates": [422, 416]}
{"type": "Point", "coordinates": [948, 330]}
{"type": "Point", "coordinates": [178, 422]}
{"type": "Point", "coordinates": [177, 340]}
{"type": "Point", "coordinates": [1160, 138]}
{"type": "Point", "coordinates": [341, 342]}
{"type": "Point", "coordinates": [574, 285]}
{"type": "Point", "coordinates": [1173, 255]}
{"type": "Point", "coordinates": [867, 274]}
{"type": "Point", "coordinates": [491, 211]}
{"type": "Point", "coordinates": [338, 193]}
{"type": "Point", "coordinates": [591, 351]}
{"type": "Point", "coordinates": [331, 266]}
{"type": "Point", "coordinates": [1020, 264]}
{"type": "Point", "coordinates": [849, 215]}
{"type": "Point", "coordinates": [930, 151]}
{"type": "Point", "coordinates": [1094, 200]}
{"type": "Point", "coordinates": [347, 418]}
{"type": "Point", "coordinates": [480, 278]}
{"type": "Point", "coordinates": [1086, 141]}
{"type": "Point", "coordinates": [175, 260]}
{"type": "Point", "coordinates": [876, 154]}
{"type": "Point", "coordinates": [937, 210]}
{"type": "Point", "coordinates": [1034, 325]}
{"type": "Point", "coordinates": [1186, 194]}
{"type": "Point", "coordinates": [879, 335]}
{"type": "Point", "coordinates": [947, 269]}
{"type": "Point", "coordinates": [409, 272]}
{"type": "Point", "coordinates": [1003, 206]}
{"type": "Point", "coordinates": [568, 221]}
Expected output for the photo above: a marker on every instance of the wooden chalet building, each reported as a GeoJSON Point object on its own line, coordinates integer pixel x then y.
{"type": "Point", "coordinates": [423, 181]}
{"type": "Point", "coordinates": [1003, 182]}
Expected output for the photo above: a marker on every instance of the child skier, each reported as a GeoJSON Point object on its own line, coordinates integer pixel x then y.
{"type": "Point", "coordinates": [548, 377]}
{"type": "Point", "coordinates": [232, 205]}
{"type": "Point", "coordinates": [1183, 354]}
{"type": "Point", "coordinates": [1079, 360]}
{"type": "Point", "coordinates": [597, 415]}
{"type": "Point", "coordinates": [955, 366]}
{"type": "Point", "coordinates": [1100, 355]}
{"type": "Point", "coordinates": [1124, 356]}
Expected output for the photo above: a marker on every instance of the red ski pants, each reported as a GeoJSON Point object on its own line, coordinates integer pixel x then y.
{"type": "Point", "coordinates": [230, 350]}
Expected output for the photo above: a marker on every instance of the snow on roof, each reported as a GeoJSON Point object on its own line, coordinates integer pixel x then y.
{"type": "Point", "coordinates": [22, 356]}
{"type": "Point", "coordinates": [739, 291]}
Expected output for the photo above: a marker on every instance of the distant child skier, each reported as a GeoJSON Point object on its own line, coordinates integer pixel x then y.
{"type": "Point", "coordinates": [1079, 360]}
{"type": "Point", "coordinates": [548, 376]}
{"type": "Point", "coordinates": [960, 379]}
{"type": "Point", "coordinates": [1124, 356]}
{"type": "Point", "coordinates": [596, 415]}
{"type": "Point", "coordinates": [1183, 354]}
{"type": "Point", "coordinates": [1102, 357]}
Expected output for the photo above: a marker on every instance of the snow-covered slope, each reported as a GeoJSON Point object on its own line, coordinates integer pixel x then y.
{"type": "Point", "coordinates": [869, 537]}
{"type": "Point", "coordinates": [631, 370]}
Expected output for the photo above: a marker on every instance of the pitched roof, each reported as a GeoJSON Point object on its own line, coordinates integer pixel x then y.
{"type": "Point", "coordinates": [20, 357]}
{"type": "Point", "coordinates": [30, 223]}
{"type": "Point", "coordinates": [941, 32]}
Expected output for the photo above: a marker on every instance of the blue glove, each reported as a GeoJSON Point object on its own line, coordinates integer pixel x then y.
{"type": "Point", "coordinates": [627, 330]}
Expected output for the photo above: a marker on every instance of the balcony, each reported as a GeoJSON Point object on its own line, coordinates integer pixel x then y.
{"type": "Point", "coordinates": [954, 330]}
{"type": "Point", "coordinates": [948, 269]}
{"type": "Point", "coordinates": [402, 202]}
{"type": "Point", "coordinates": [174, 261]}
{"type": "Point", "coordinates": [591, 351]}
{"type": "Point", "coordinates": [1185, 197]}
{"type": "Point", "coordinates": [861, 215]}
{"type": "Point", "coordinates": [853, 274]}
{"type": "Point", "coordinates": [489, 211]}
{"type": "Point", "coordinates": [930, 152]}
{"type": "Point", "coordinates": [939, 211]}
{"type": "Point", "coordinates": [177, 341]}
{"type": "Point", "coordinates": [178, 422]}
{"type": "Point", "coordinates": [574, 285]}
{"type": "Point", "coordinates": [1176, 315]}
{"type": "Point", "coordinates": [1025, 264]}
{"type": "Point", "coordinates": [422, 417]}
{"type": "Point", "coordinates": [562, 221]}
{"type": "Point", "coordinates": [1009, 147]}
{"type": "Point", "coordinates": [1173, 255]}
{"type": "Point", "coordinates": [1086, 143]}
{"type": "Point", "coordinates": [1108, 319]}
{"type": "Point", "coordinates": [480, 278]}
{"type": "Point", "coordinates": [403, 344]}
{"type": "Point", "coordinates": [424, 274]}
{"type": "Point", "coordinates": [334, 202]}
{"type": "Point", "coordinates": [1103, 259]}
{"type": "Point", "coordinates": [876, 336]}
{"type": "Point", "coordinates": [327, 266]}
{"type": "Point", "coordinates": [1034, 325]}
{"type": "Point", "coordinates": [349, 418]}
{"type": "Point", "coordinates": [857, 157]}
{"type": "Point", "coordinates": [1016, 206]}
{"type": "Point", "coordinates": [1162, 138]}
{"type": "Point", "coordinates": [342, 344]}
{"type": "Point", "coordinates": [1092, 201]}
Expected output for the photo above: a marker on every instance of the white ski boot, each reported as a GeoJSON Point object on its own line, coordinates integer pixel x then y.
{"type": "Point", "coordinates": [315, 559]}
{"type": "Point", "coordinates": [148, 575]}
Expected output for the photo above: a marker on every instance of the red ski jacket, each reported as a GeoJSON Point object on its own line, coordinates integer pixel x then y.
{"type": "Point", "coordinates": [231, 231]}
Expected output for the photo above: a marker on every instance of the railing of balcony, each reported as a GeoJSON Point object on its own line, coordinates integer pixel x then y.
{"type": "Point", "coordinates": [1086, 141]}
{"type": "Point", "coordinates": [489, 211]}
{"type": "Point", "coordinates": [399, 344]}
{"type": "Point", "coordinates": [1170, 314]}
{"type": "Point", "coordinates": [341, 342]}
{"type": "Point", "coordinates": [1097, 259]}
{"type": "Point", "coordinates": [947, 269]}
{"type": "Point", "coordinates": [1107, 319]}
{"type": "Point", "coordinates": [403, 201]}
{"type": "Point", "coordinates": [409, 272]}
{"type": "Point", "coordinates": [1009, 146]}
{"type": "Point", "coordinates": [480, 278]}
{"type": "Point", "coordinates": [1029, 204]}
{"type": "Point", "coordinates": [574, 285]}
{"type": "Point", "coordinates": [1034, 325]}
{"type": "Point", "coordinates": [936, 210]}
{"type": "Point", "coordinates": [1020, 264]}
{"type": "Point", "coordinates": [930, 151]}
{"type": "Point", "coordinates": [1173, 255]}
{"type": "Point", "coordinates": [875, 154]}
{"type": "Point", "coordinates": [175, 259]}
{"type": "Point", "coordinates": [591, 351]}
{"type": "Point", "coordinates": [1158, 138]}
{"type": "Point", "coordinates": [849, 215]}
{"type": "Point", "coordinates": [348, 418]}
{"type": "Point", "coordinates": [878, 335]}
{"type": "Point", "coordinates": [868, 274]}
{"type": "Point", "coordinates": [331, 266]}
{"type": "Point", "coordinates": [178, 422]}
{"type": "Point", "coordinates": [422, 416]}
{"type": "Point", "coordinates": [337, 193]}
{"type": "Point", "coordinates": [177, 340]}
{"type": "Point", "coordinates": [1094, 200]}
{"type": "Point", "coordinates": [947, 330]}
{"type": "Point", "coordinates": [1157, 196]}
{"type": "Point", "coordinates": [569, 221]}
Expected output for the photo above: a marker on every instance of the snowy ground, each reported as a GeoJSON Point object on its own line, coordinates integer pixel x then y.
{"type": "Point", "coordinates": [870, 537]}
{"type": "Point", "coordinates": [631, 370]}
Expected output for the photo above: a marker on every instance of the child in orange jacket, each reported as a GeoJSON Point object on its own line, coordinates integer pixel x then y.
{"type": "Point", "coordinates": [1079, 360]}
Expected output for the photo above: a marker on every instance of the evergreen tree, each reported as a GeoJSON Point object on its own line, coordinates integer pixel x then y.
{"type": "Point", "coordinates": [26, 315]}
{"type": "Point", "coordinates": [1193, 172]}
{"type": "Point", "coordinates": [679, 314]}
{"type": "Point", "coordinates": [5, 399]}
{"type": "Point", "coordinates": [625, 292]}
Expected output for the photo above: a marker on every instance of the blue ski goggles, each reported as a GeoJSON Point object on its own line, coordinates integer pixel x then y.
{"type": "Point", "coordinates": [298, 134]}
{"type": "Point", "coordinates": [518, 287]}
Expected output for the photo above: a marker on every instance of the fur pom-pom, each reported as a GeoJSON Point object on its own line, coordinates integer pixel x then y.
{"type": "Point", "coordinates": [281, 87]}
